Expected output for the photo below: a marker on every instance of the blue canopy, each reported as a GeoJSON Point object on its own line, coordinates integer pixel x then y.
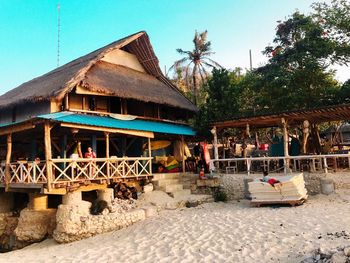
{"type": "Point", "coordinates": [114, 123]}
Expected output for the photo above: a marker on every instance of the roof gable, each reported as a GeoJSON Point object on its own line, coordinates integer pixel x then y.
{"type": "Point", "coordinates": [58, 82]}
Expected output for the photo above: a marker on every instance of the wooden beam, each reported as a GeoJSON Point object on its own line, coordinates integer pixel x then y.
{"type": "Point", "coordinates": [48, 154]}
{"type": "Point", "coordinates": [8, 161]}
{"type": "Point", "coordinates": [110, 130]}
{"type": "Point", "coordinates": [130, 143]}
{"type": "Point", "coordinates": [56, 146]}
{"type": "Point", "coordinates": [16, 128]}
{"type": "Point", "coordinates": [114, 145]}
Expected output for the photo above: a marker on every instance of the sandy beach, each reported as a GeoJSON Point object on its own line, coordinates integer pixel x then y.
{"type": "Point", "coordinates": [214, 232]}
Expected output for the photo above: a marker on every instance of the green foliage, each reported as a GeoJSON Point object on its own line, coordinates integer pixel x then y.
{"type": "Point", "coordinates": [192, 68]}
{"type": "Point", "coordinates": [220, 196]}
{"type": "Point", "coordinates": [298, 74]}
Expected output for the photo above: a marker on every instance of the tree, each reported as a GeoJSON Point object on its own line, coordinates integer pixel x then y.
{"type": "Point", "coordinates": [297, 75]}
{"type": "Point", "coordinates": [196, 62]}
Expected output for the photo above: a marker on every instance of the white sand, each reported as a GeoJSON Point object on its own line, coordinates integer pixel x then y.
{"type": "Point", "coordinates": [217, 232]}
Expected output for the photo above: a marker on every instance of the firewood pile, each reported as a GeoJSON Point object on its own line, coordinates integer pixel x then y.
{"type": "Point", "coordinates": [123, 191]}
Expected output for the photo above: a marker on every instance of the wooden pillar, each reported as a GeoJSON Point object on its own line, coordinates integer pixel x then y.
{"type": "Point", "coordinates": [107, 144]}
{"type": "Point", "coordinates": [48, 154]}
{"type": "Point", "coordinates": [183, 154]}
{"type": "Point", "coordinates": [216, 150]}
{"type": "Point", "coordinates": [150, 155]}
{"type": "Point", "coordinates": [215, 144]}
{"type": "Point", "coordinates": [8, 161]}
{"type": "Point", "coordinates": [285, 143]}
{"type": "Point", "coordinates": [66, 103]}
{"type": "Point", "coordinates": [306, 133]}
{"type": "Point", "coordinates": [107, 153]}
{"type": "Point", "coordinates": [149, 148]}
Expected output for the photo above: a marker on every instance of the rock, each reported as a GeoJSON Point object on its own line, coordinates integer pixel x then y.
{"type": "Point", "coordinates": [148, 188]}
{"type": "Point", "coordinates": [150, 211]}
{"type": "Point", "coordinates": [338, 258]}
{"type": "Point", "coordinates": [347, 251]}
{"type": "Point", "coordinates": [34, 225]}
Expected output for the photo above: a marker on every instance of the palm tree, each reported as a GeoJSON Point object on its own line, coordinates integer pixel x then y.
{"type": "Point", "coordinates": [196, 62]}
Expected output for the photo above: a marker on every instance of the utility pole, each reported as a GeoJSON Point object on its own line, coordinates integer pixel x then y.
{"type": "Point", "coordinates": [250, 60]}
{"type": "Point", "coordinates": [58, 33]}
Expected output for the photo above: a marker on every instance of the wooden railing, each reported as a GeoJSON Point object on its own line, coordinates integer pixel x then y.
{"type": "Point", "coordinates": [296, 163]}
{"type": "Point", "coordinates": [78, 170]}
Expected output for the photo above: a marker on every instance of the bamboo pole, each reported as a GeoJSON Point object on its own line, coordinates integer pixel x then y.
{"type": "Point", "coordinates": [48, 154]}
{"type": "Point", "coordinates": [8, 161]}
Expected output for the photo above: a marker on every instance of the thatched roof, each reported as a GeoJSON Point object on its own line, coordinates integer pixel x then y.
{"type": "Point", "coordinates": [296, 117]}
{"type": "Point", "coordinates": [100, 76]}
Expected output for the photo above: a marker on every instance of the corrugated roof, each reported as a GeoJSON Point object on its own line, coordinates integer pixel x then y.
{"type": "Point", "coordinates": [109, 122]}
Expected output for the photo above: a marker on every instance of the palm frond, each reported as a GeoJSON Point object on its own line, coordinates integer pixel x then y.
{"type": "Point", "coordinates": [212, 63]}
{"type": "Point", "coordinates": [178, 63]}
{"type": "Point", "coordinates": [183, 52]}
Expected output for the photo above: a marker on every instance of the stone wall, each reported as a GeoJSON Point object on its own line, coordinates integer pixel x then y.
{"type": "Point", "coordinates": [74, 221]}
{"type": "Point", "coordinates": [35, 225]}
{"type": "Point", "coordinates": [233, 184]}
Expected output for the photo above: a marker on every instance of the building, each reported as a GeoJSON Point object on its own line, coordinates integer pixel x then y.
{"type": "Point", "coordinates": [114, 99]}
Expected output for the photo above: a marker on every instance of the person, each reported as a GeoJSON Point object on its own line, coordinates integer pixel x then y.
{"type": "Point", "coordinates": [90, 153]}
{"type": "Point", "coordinates": [268, 179]}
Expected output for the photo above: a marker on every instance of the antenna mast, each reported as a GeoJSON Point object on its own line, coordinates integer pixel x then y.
{"type": "Point", "coordinates": [58, 33]}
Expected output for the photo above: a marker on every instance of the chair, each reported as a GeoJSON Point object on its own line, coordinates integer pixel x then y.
{"type": "Point", "coordinates": [231, 167]}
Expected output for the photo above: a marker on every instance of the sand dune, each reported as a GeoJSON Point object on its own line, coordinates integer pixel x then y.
{"type": "Point", "coordinates": [216, 232]}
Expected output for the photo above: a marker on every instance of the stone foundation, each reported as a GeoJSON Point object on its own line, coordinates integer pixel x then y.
{"type": "Point", "coordinates": [74, 221]}
{"type": "Point", "coordinates": [233, 184]}
{"type": "Point", "coordinates": [35, 225]}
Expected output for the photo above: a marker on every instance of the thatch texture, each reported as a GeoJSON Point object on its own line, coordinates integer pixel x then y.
{"type": "Point", "coordinates": [55, 84]}
{"type": "Point", "coordinates": [121, 81]}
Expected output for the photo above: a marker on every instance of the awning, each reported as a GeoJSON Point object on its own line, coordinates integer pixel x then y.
{"type": "Point", "coordinates": [135, 127]}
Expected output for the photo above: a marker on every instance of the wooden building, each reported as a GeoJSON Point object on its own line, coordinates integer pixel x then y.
{"type": "Point", "coordinates": [114, 99]}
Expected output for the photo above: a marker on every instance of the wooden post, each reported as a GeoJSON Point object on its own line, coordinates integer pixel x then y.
{"type": "Point", "coordinates": [8, 162]}
{"type": "Point", "coordinates": [66, 103]}
{"type": "Point", "coordinates": [107, 152]}
{"type": "Point", "coordinates": [215, 142]}
{"type": "Point", "coordinates": [183, 154]}
{"type": "Point", "coordinates": [48, 154]}
{"type": "Point", "coordinates": [107, 144]}
{"type": "Point", "coordinates": [285, 144]}
{"type": "Point", "coordinates": [216, 150]}
{"type": "Point", "coordinates": [150, 155]}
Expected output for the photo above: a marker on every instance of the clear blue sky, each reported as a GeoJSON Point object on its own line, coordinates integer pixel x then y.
{"type": "Point", "coordinates": [28, 30]}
